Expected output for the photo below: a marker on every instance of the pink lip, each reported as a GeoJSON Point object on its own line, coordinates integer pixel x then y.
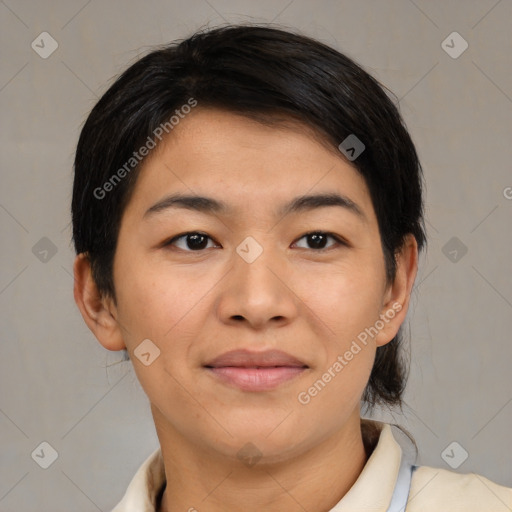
{"type": "Point", "coordinates": [255, 371]}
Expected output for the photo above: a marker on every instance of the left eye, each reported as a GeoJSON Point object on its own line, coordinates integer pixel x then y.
{"type": "Point", "coordinates": [318, 239]}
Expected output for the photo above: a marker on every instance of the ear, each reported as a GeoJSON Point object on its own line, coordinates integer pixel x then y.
{"type": "Point", "coordinates": [99, 312]}
{"type": "Point", "coordinates": [398, 293]}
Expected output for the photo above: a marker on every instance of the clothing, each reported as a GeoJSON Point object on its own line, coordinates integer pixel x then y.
{"type": "Point", "coordinates": [431, 489]}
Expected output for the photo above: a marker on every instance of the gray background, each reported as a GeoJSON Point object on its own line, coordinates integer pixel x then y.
{"type": "Point", "coordinates": [57, 384]}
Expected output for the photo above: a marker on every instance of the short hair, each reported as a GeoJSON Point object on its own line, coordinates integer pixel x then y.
{"type": "Point", "coordinates": [270, 75]}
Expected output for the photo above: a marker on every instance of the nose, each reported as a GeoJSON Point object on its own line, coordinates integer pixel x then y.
{"type": "Point", "coordinates": [259, 292]}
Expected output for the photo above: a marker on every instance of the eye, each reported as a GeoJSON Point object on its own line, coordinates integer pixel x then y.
{"type": "Point", "coordinates": [193, 241]}
{"type": "Point", "coordinates": [318, 240]}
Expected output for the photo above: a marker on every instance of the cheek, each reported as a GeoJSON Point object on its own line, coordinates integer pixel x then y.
{"type": "Point", "coordinates": [155, 301]}
{"type": "Point", "coordinates": [348, 301]}
{"type": "Point", "coordinates": [347, 297]}
{"type": "Point", "coordinates": [162, 307]}
{"type": "Point", "coordinates": [350, 307]}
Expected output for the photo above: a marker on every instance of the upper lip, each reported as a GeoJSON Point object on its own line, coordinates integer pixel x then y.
{"type": "Point", "coordinates": [248, 359]}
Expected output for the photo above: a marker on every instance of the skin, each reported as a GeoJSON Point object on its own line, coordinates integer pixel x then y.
{"type": "Point", "coordinates": [197, 304]}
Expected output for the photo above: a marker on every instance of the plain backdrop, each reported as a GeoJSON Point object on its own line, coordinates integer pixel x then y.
{"type": "Point", "coordinates": [59, 386]}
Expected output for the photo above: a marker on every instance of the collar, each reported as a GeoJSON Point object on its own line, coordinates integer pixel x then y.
{"type": "Point", "coordinates": [371, 492]}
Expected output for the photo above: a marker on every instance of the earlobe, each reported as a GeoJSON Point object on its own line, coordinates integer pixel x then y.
{"type": "Point", "coordinates": [396, 303]}
{"type": "Point", "coordinates": [98, 312]}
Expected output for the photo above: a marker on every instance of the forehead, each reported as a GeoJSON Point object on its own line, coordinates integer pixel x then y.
{"type": "Point", "coordinates": [246, 163]}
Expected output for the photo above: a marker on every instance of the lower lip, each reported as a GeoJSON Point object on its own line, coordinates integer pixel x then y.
{"type": "Point", "coordinates": [256, 379]}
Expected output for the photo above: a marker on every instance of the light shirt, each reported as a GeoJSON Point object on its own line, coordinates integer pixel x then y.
{"type": "Point", "coordinates": [432, 489]}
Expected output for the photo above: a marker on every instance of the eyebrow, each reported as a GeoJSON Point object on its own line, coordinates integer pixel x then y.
{"type": "Point", "coordinates": [213, 206]}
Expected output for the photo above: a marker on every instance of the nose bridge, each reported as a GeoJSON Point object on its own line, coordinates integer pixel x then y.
{"type": "Point", "coordinates": [253, 260]}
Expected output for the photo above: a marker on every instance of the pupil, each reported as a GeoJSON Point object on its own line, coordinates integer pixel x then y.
{"type": "Point", "coordinates": [318, 240]}
{"type": "Point", "coordinates": [198, 241]}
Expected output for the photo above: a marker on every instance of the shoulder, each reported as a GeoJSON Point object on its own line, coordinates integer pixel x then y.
{"type": "Point", "coordinates": [439, 489]}
{"type": "Point", "coordinates": [145, 487]}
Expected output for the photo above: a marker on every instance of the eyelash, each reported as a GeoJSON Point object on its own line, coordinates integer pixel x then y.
{"type": "Point", "coordinates": [339, 240]}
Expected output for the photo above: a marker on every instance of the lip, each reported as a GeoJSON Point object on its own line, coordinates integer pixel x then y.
{"type": "Point", "coordinates": [255, 371]}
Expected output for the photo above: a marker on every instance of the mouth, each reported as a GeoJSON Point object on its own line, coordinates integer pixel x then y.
{"type": "Point", "coordinates": [255, 371]}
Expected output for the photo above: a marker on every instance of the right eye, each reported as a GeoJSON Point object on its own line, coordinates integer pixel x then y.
{"type": "Point", "coordinates": [193, 241]}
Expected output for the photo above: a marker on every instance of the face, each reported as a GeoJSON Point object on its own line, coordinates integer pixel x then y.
{"type": "Point", "coordinates": [200, 280]}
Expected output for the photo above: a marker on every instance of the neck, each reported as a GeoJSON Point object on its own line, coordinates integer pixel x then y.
{"type": "Point", "coordinates": [314, 480]}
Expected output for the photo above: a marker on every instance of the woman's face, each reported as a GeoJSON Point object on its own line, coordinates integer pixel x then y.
{"type": "Point", "coordinates": [251, 280]}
